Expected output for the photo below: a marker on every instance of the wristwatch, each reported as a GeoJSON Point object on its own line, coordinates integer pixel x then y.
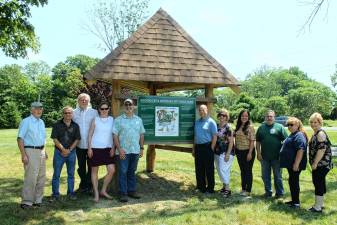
{"type": "Point", "coordinates": [142, 147]}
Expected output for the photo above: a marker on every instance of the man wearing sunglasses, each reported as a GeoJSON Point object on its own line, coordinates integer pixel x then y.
{"type": "Point", "coordinates": [66, 135]}
{"type": "Point", "coordinates": [269, 138]}
{"type": "Point", "coordinates": [128, 132]}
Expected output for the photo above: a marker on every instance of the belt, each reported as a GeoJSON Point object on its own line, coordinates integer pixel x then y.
{"type": "Point", "coordinates": [204, 144]}
{"type": "Point", "coordinates": [35, 147]}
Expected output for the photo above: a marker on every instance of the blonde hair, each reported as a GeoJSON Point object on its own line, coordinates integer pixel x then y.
{"type": "Point", "coordinates": [81, 96]}
{"type": "Point", "coordinates": [223, 111]}
{"type": "Point", "coordinates": [316, 116]}
{"type": "Point", "coordinates": [299, 123]}
{"type": "Point", "coordinates": [67, 107]}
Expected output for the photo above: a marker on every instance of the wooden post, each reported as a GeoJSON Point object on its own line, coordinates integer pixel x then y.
{"type": "Point", "coordinates": [115, 108]}
{"type": "Point", "coordinates": [151, 149]}
{"type": "Point", "coordinates": [209, 94]}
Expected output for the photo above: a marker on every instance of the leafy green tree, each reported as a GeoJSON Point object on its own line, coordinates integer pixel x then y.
{"type": "Point", "coordinates": [17, 34]}
{"type": "Point", "coordinates": [10, 116]}
{"type": "Point", "coordinates": [277, 103]}
{"type": "Point", "coordinates": [35, 69]}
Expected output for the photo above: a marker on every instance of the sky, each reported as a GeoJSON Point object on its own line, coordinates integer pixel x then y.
{"type": "Point", "coordinates": [242, 35]}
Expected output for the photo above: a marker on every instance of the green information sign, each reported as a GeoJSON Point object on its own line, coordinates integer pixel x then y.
{"type": "Point", "coordinates": [167, 120]}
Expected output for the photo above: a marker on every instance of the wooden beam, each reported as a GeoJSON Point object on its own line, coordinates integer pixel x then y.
{"type": "Point", "coordinates": [115, 102]}
{"type": "Point", "coordinates": [135, 85]}
{"type": "Point", "coordinates": [209, 94]}
{"type": "Point", "coordinates": [174, 148]}
{"type": "Point", "coordinates": [151, 149]}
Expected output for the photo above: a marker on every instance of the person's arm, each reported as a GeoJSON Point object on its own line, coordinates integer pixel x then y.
{"type": "Point", "coordinates": [90, 134]}
{"type": "Point", "coordinates": [251, 143]}
{"type": "Point", "coordinates": [213, 143]}
{"type": "Point", "coordinates": [258, 150]}
{"type": "Point", "coordinates": [60, 147]}
{"type": "Point", "coordinates": [230, 147]}
{"type": "Point", "coordinates": [321, 137]}
{"type": "Point", "coordinates": [22, 132]}
{"type": "Point", "coordinates": [141, 143]}
{"type": "Point", "coordinates": [298, 158]}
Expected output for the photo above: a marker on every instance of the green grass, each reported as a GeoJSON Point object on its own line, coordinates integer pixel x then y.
{"type": "Point", "coordinates": [168, 197]}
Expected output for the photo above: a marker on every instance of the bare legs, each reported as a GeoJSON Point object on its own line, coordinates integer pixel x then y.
{"type": "Point", "coordinates": [107, 179]}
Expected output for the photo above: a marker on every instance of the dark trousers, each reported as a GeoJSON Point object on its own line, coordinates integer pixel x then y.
{"type": "Point", "coordinates": [83, 172]}
{"type": "Point", "coordinates": [204, 167]}
{"type": "Point", "coordinates": [318, 179]}
{"type": "Point", "coordinates": [246, 169]}
{"type": "Point", "coordinates": [294, 185]}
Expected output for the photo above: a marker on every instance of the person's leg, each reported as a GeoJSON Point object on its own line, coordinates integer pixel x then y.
{"type": "Point", "coordinates": [241, 156]}
{"type": "Point", "coordinates": [209, 169]}
{"type": "Point", "coordinates": [81, 170]}
{"type": "Point", "coordinates": [219, 166]}
{"type": "Point", "coordinates": [88, 173]}
{"type": "Point", "coordinates": [122, 175]}
{"type": "Point", "coordinates": [41, 177]}
{"type": "Point", "coordinates": [294, 186]}
{"type": "Point", "coordinates": [318, 178]}
{"type": "Point", "coordinates": [70, 163]}
{"type": "Point", "coordinates": [131, 173]}
{"type": "Point", "coordinates": [266, 177]}
{"type": "Point", "coordinates": [226, 171]}
{"type": "Point", "coordinates": [199, 169]}
{"type": "Point", "coordinates": [30, 177]}
{"type": "Point", "coordinates": [277, 172]}
{"type": "Point", "coordinates": [249, 172]}
{"type": "Point", "coordinates": [58, 162]}
{"type": "Point", "coordinates": [94, 181]}
{"type": "Point", "coordinates": [107, 179]}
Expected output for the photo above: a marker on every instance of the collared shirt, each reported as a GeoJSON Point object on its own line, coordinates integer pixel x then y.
{"type": "Point", "coordinates": [64, 134]}
{"type": "Point", "coordinates": [83, 118]}
{"type": "Point", "coordinates": [204, 130]}
{"type": "Point", "coordinates": [242, 139]}
{"type": "Point", "coordinates": [128, 130]}
{"type": "Point", "coordinates": [32, 131]}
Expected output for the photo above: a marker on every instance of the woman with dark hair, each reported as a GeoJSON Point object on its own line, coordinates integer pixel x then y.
{"type": "Point", "coordinates": [245, 150]}
{"type": "Point", "coordinates": [293, 156]}
{"type": "Point", "coordinates": [101, 150]}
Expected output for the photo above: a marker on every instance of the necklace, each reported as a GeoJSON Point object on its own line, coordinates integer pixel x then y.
{"type": "Point", "coordinates": [104, 119]}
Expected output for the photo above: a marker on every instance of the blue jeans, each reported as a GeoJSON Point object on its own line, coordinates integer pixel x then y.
{"type": "Point", "coordinates": [58, 162]}
{"type": "Point", "coordinates": [266, 167]}
{"type": "Point", "coordinates": [127, 173]}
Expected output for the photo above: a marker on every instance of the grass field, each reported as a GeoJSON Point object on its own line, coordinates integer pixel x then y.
{"type": "Point", "coordinates": [168, 196]}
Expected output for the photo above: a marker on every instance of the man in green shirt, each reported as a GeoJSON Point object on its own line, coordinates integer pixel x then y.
{"type": "Point", "coordinates": [269, 138]}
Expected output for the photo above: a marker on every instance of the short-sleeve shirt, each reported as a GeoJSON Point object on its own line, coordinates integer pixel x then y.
{"type": "Point", "coordinates": [32, 131]}
{"type": "Point", "coordinates": [222, 142]}
{"type": "Point", "coordinates": [315, 145]}
{"type": "Point", "coordinates": [83, 118]}
{"type": "Point", "coordinates": [295, 142]}
{"type": "Point", "coordinates": [64, 134]}
{"type": "Point", "coordinates": [271, 138]}
{"type": "Point", "coordinates": [204, 130]}
{"type": "Point", "coordinates": [128, 130]}
{"type": "Point", "coordinates": [242, 139]}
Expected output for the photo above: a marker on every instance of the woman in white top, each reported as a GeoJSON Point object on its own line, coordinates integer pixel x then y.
{"type": "Point", "coordinates": [101, 150]}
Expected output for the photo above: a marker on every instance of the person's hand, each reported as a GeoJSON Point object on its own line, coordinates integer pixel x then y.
{"type": "Point", "coordinates": [46, 155]}
{"type": "Point", "coordinates": [296, 167]}
{"type": "Point", "coordinates": [90, 153]}
{"type": "Point", "coordinates": [65, 152]}
{"type": "Point", "coordinates": [259, 157]}
{"type": "Point", "coordinates": [122, 154]}
{"type": "Point", "coordinates": [314, 166]}
{"type": "Point", "coordinates": [141, 153]}
{"type": "Point", "coordinates": [25, 159]}
{"type": "Point", "coordinates": [226, 157]}
{"type": "Point", "coordinates": [112, 152]}
{"type": "Point", "coordinates": [249, 157]}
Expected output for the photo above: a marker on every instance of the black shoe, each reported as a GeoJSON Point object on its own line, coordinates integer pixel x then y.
{"type": "Point", "coordinates": [227, 193]}
{"type": "Point", "coordinates": [37, 205]}
{"type": "Point", "coordinates": [25, 206]}
{"type": "Point", "coordinates": [312, 209]}
{"type": "Point", "coordinates": [278, 196]}
{"type": "Point", "coordinates": [289, 203]}
{"type": "Point", "coordinates": [134, 195]}
{"type": "Point", "coordinates": [267, 195]}
{"type": "Point", "coordinates": [210, 192]}
{"type": "Point", "coordinates": [222, 190]}
{"type": "Point", "coordinates": [54, 198]}
{"type": "Point", "coordinates": [123, 198]}
{"type": "Point", "coordinates": [295, 205]}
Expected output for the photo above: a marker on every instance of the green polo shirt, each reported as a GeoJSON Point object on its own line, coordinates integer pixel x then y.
{"type": "Point", "coordinates": [271, 138]}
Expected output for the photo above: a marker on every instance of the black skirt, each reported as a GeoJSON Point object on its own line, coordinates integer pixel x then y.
{"type": "Point", "coordinates": [101, 156]}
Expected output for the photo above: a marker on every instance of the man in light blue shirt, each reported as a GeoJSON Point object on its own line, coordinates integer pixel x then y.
{"type": "Point", "coordinates": [128, 132]}
{"type": "Point", "coordinates": [31, 141]}
{"type": "Point", "coordinates": [205, 136]}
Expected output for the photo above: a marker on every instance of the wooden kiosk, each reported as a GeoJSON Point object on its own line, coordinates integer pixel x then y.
{"type": "Point", "coordinates": [161, 57]}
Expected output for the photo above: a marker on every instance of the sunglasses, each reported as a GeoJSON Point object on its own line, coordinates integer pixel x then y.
{"type": "Point", "coordinates": [290, 125]}
{"type": "Point", "coordinates": [104, 108]}
{"type": "Point", "coordinates": [222, 115]}
{"type": "Point", "coordinates": [128, 104]}
{"type": "Point", "coordinates": [67, 113]}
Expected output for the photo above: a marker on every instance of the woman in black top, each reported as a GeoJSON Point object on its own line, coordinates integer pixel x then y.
{"type": "Point", "coordinates": [320, 159]}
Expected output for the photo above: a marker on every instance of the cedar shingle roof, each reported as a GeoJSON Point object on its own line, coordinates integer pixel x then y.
{"type": "Point", "coordinates": [162, 52]}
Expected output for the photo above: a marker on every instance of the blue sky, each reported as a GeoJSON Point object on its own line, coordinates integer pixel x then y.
{"type": "Point", "coordinates": [242, 35]}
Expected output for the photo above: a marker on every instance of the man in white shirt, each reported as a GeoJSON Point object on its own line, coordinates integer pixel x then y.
{"type": "Point", "coordinates": [83, 115]}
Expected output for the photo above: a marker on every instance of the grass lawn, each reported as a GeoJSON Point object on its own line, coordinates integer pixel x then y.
{"type": "Point", "coordinates": [168, 196]}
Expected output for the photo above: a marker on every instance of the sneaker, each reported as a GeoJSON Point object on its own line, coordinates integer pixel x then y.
{"type": "Point", "coordinates": [25, 206]}
{"type": "Point", "coordinates": [312, 209]}
{"type": "Point", "coordinates": [134, 195]}
{"type": "Point", "coordinates": [123, 198]}
{"type": "Point", "coordinates": [227, 193]}
{"type": "Point", "coordinates": [243, 193]}
{"type": "Point", "coordinates": [295, 205]}
{"type": "Point", "coordinates": [222, 190]}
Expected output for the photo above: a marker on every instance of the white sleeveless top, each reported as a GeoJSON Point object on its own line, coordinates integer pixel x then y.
{"type": "Point", "coordinates": [102, 137]}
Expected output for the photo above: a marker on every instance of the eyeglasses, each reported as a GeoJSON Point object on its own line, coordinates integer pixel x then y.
{"type": "Point", "coordinates": [67, 113]}
{"type": "Point", "coordinates": [290, 125]}
{"type": "Point", "coordinates": [222, 115]}
{"type": "Point", "coordinates": [104, 108]}
{"type": "Point", "coordinates": [128, 104]}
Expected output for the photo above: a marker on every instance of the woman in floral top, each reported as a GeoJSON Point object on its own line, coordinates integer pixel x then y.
{"type": "Point", "coordinates": [320, 159]}
{"type": "Point", "coordinates": [223, 153]}
{"type": "Point", "coordinates": [245, 150]}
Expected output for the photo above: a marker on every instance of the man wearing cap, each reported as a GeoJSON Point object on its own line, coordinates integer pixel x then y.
{"type": "Point", "coordinates": [128, 132]}
{"type": "Point", "coordinates": [66, 135]}
{"type": "Point", "coordinates": [31, 141]}
{"type": "Point", "coordinates": [83, 115]}
{"type": "Point", "coordinates": [205, 136]}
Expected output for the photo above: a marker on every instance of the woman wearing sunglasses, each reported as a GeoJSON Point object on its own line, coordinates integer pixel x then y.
{"type": "Point", "coordinates": [223, 153]}
{"type": "Point", "coordinates": [320, 159]}
{"type": "Point", "coordinates": [101, 150]}
{"type": "Point", "coordinates": [293, 156]}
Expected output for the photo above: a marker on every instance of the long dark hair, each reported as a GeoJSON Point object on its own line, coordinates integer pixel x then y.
{"type": "Point", "coordinates": [239, 122]}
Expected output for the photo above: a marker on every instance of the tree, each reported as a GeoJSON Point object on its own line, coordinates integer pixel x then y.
{"type": "Point", "coordinates": [113, 22]}
{"type": "Point", "coordinates": [334, 78]}
{"type": "Point", "coordinates": [17, 34]}
{"type": "Point", "coordinates": [34, 69]}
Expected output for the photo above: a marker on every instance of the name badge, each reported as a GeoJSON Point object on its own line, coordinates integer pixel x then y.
{"type": "Point", "coordinates": [272, 131]}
